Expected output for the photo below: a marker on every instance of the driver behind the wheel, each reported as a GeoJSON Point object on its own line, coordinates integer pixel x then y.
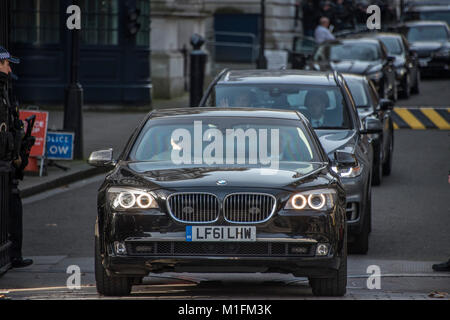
{"type": "Point", "coordinates": [316, 102]}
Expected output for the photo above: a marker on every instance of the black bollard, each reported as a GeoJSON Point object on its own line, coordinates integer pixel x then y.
{"type": "Point", "coordinates": [197, 72]}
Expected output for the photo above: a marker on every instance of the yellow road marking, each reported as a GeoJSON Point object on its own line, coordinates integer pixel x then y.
{"type": "Point", "coordinates": [409, 118]}
{"type": "Point", "coordinates": [436, 118]}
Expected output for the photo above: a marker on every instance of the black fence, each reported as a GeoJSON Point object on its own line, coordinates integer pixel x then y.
{"type": "Point", "coordinates": [5, 167]}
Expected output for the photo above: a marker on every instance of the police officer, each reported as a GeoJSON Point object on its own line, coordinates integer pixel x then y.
{"type": "Point", "coordinates": [18, 154]}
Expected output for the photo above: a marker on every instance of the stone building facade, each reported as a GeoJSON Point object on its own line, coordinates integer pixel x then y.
{"type": "Point", "coordinates": [174, 21]}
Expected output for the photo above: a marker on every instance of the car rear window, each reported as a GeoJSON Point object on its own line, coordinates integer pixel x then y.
{"type": "Point", "coordinates": [323, 103]}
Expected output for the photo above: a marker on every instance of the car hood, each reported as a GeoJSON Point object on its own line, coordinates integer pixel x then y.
{"type": "Point", "coordinates": [165, 176]}
{"type": "Point", "coordinates": [333, 140]}
{"type": "Point", "coordinates": [358, 67]}
{"type": "Point", "coordinates": [427, 45]}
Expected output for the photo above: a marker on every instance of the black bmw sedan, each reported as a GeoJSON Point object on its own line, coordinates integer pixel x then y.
{"type": "Point", "coordinates": [431, 41]}
{"type": "Point", "coordinates": [325, 100]}
{"type": "Point", "coordinates": [220, 190]}
{"type": "Point", "coordinates": [368, 105]}
{"type": "Point", "coordinates": [406, 63]}
{"type": "Point", "coordinates": [359, 55]}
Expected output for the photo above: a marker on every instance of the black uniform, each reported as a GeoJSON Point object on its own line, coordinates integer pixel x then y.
{"type": "Point", "coordinates": [13, 148]}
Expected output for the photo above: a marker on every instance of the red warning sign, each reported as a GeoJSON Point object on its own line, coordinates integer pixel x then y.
{"type": "Point", "coordinates": [39, 130]}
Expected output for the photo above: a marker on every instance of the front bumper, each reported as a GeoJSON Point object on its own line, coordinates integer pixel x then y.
{"type": "Point", "coordinates": [141, 266]}
{"type": "Point", "coordinates": [434, 64]}
{"type": "Point", "coordinates": [286, 243]}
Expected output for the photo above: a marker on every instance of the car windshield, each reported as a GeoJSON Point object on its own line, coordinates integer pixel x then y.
{"type": "Point", "coordinates": [358, 92]}
{"type": "Point", "coordinates": [224, 141]}
{"type": "Point", "coordinates": [324, 106]}
{"type": "Point", "coordinates": [393, 45]}
{"type": "Point", "coordinates": [427, 33]}
{"type": "Point", "coordinates": [348, 51]}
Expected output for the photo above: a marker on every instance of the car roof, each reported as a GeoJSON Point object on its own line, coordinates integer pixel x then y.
{"type": "Point", "coordinates": [325, 78]}
{"type": "Point", "coordinates": [424, 23]}
{"type": "Point", "coordinates": [224, 112]}
{"type": "Point", "coordinates": [355, 38]}
{"type": "Point", "coordinates": [351, 76]}
{"type": "Point", "coordinates": [423, 8]}
{"type": "Point", "coordinates": [384, 35]}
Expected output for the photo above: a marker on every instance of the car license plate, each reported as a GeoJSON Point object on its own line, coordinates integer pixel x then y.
{"type": "Point", "coordinates": [220, 233]}
{"type": "Point", "coordinates": [423, 62]}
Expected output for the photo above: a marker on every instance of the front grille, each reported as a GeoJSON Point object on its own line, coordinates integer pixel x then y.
{"type": "Point", "coordinates": [180, 248]}
{"type": "Point", "coordinates": [248, 207]}
{"type": "Point", "coordinates": [193, 207]}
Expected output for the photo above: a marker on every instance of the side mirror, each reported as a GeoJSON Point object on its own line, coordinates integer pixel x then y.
{"type": "Point", "coordinates": [390, 59]}
{"type": "Point", "coordinates": [345, 159]}
{"type": "Point", "coordinates": [102, 158]}
{"type": "Point", "coordinates": [372, 126]}
{"type": "Point", "coordinates": [386, 104]}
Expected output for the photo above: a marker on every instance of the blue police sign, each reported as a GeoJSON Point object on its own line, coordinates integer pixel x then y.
{"type": "Point", "coordinates": [59, 145]}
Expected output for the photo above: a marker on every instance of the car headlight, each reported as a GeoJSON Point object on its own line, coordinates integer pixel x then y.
{"type": "Point", "coordinates": [320, 200]}
{"type": "Point", "coordinates": [348, 172]}
{"type": "Point", "coordinates": [122, 198]}
{"type": "Point", "coordinates": [443, 53]}
{"type": "Point", "coordinates": [376, 76]}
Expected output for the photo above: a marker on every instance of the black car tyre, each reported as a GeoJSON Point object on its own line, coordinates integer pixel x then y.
{"type": "Point", "coordinates": [387, 165]}
{"type": "Point", "coordinates": [106, 285]}
{"type": "Point", "coordinates": [335, 286]}
{"type": "Point", "coordinates": [406, 87]}
{"type": "Point", "coordinates": [377, 173]}
{"type": "Point", "coordinates": [416, 88]}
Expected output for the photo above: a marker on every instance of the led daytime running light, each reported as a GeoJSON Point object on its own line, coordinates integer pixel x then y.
{"type": "Point", "coordinates": [322, 203]}
{"type": "Point", "coordinates": [294, 201]}
{"type": "Point", "coordinates": [124, 205]}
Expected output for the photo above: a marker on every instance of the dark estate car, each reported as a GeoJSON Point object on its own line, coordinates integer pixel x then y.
{"type": "Point", "coordinates": [431, 41]}
{"type": "Point", "coordinates": [363, 56]}
{"type": "Point", "coordinates": [369, 104]}
{"type": "Point", "coordinates": [324, 98]}
{"type": "Point", "coordinates": [428, 11]}
{"type": "Point", "coordinates": [406, 63]}
{"type": "Point", "coordinates": [168, 207]}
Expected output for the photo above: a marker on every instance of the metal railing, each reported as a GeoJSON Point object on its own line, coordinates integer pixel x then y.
{"type": "Point", "coordinates": [247, 41]}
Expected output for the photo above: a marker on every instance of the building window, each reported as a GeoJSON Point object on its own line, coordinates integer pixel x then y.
{"type": "Point", "coordinates": [100, 22]}
{"type": "Point", "coordinates": [143, 35]}
{"type": "Point", "coordinates": [35, 22]}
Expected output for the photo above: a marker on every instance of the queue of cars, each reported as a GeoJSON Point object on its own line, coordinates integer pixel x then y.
{"type": "Point", "coordinates": [183, 196]}
{"type": "Point", "coordinates": [302, 217]}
